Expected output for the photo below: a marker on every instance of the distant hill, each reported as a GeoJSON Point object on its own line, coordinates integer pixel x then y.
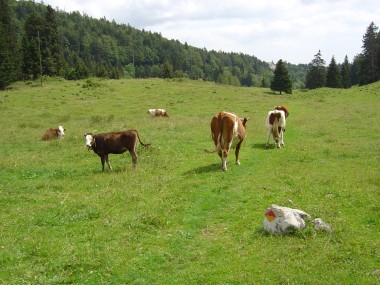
{"type": "Point", "coordinates": [76, 46]}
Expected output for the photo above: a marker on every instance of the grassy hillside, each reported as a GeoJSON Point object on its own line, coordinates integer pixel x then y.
{"type": "Point", "coordinates": [179, 219]}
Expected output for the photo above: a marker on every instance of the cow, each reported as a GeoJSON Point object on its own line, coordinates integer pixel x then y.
{"type": "Point", "coordinates": [53, 133]}
{"type": "Point", "coordinates": [275, 124]}
{"type": "Point", "coordinates": [228, 132]}
{"type": "Point", "coordinates": [158, 113]}
{"type": "Point", "coordinates": [115, 143]}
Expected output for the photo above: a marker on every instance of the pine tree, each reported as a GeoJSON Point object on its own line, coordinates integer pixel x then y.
{"type": "Point", "coordinates": [369, 69]}
{"type": "Point", "coordinates": [9, 56]}
{"type": "Point", "coordinates": [31, 46]}
{"type": "Point", "coordinates": [281, 80]}
{"type": "Point", "coordinates": [52, 55]}
{"type": "Point", "coordinates": [316, 74]}
{"type": "Point", "coordinates": [355, 69]}
{"type": "Point", "coordinates": [345, 74]}
{"type": "Point", "coordinates": [333, 75]}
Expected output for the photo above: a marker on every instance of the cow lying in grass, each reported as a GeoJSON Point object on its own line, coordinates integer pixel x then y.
{"type": "Point", "coordinates": [115, 143]}
{"type": "Point", "coordinates": [158, 113]}
{"type": "Point", "coordinates": [53, 133]}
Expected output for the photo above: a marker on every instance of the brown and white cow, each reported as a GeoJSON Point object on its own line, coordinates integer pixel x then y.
{"type": "Point", "coordinates": [228, 132]}
{"type": "Point", "coordinates": [115, 143]}
{"type": "Point", "coordinates": [158, 113]}
{"type": "Point", "coordinates": [53, 133]}
{"type": "Point", "coordinates": [275, 124]}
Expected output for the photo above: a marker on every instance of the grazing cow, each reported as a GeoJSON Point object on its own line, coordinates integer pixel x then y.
{"type": "Point", "coordinates": [283, 108]}
{"type": "Point", "coordinates": [227, 131]}
{"type": "Point", "coordinates": [53, 133]}
{"type": "Point", "coordinates": [158, 113]}
{"type": "Point", "coordinates": [116, 143]}
{"type": "Point", "coordinates": [275, 124]}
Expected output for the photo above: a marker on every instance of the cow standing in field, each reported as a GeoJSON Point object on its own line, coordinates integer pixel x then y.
{"type": "Point", "coordinates": [158, 113]}
{"type": "Point", "coordinates": [53, 133]}
{"type": "Point", "coordinates": [115, 143]}
{"type": "Point", "coordinates": [276, 124]}
{"type": "Point", "coordinates": [227, 131]}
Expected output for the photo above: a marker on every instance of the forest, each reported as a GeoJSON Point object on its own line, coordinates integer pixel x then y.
{"type": "Point", "coordinates": [37, 40]}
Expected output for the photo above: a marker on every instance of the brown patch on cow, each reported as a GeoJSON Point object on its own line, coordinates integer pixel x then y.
{"type": "Point", "coordinates": [273, 117]}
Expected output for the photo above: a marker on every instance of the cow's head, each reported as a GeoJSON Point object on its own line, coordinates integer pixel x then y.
{"type": "Point", "coordinates": [60, 131]}
{"type": "Point", "coordinates": [89, 140]}
{"type": "Point", "coordinates": [283, 108]}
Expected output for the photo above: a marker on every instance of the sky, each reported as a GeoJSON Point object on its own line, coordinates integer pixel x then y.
{"type": "Point", "coordinates": [291, 30]}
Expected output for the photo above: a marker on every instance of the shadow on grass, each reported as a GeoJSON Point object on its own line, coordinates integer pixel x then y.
{"type": "Point", "coordinates": [214, 167]}
{"type": "Point", "coordinates": [115, 170]}
{"type": "Point", "coordinates": [260, 146]}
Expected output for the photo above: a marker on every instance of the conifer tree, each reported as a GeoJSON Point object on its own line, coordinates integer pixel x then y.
{"type": "Point", "coordinates": [333, 75]}
{"type": "Point", "coordinates": [369, 68]}
{"type": "Point", "coordinates": [31, 46]}
{"type": "Point", "coordinates": [9, 59]}
{"type": "Point", "coordinates": [52, 56]}
{"type": "Point", "coordinates": [316, 74]}
{"type": "Point", "coordinates": [355, 69]}
{"type": "Point", "coordinates": [281, 80]}
{"type": "Point", "coordinates": [345, 74]}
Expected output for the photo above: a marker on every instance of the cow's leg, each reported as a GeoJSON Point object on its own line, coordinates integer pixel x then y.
{"type": "Point", "coordinates": [108, 162]}
{"type": "Point", "coordinates": [269, 131]}
{"type": "Point", "coordinates": [280, 141]}
{"type": "Point", "coordinates": [224, 160]}
{"type": "Point", "coordinates": [282, 137]}
{"type": "Point", "coordinates": [237, 153]}
{"type": "Point", "coordinates": [103, 159]}
{"type": "Point", "coordinates": [134, 158]}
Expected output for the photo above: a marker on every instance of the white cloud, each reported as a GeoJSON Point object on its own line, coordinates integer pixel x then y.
{"type": "Point", "coordinates": [292, 30]}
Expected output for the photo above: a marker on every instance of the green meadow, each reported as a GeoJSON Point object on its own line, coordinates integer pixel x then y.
{"type": "Point", "coordinates": [178, 218]}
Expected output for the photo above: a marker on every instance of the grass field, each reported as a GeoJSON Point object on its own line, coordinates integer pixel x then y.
{"type": "Point", "coordinates": [179, 219]}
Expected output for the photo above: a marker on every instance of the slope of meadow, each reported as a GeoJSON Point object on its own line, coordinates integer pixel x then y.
{"type": "Point", "coordinates": [179, 219]}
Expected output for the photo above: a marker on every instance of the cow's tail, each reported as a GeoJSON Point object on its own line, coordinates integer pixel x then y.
{"type": "Point", "coordinates": [143, 144]}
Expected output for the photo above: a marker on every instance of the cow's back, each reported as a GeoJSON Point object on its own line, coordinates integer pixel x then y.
{"type": "Point", "coordinates": [115, 143]}
{"type": "Point", "coordinates": [49, 134]}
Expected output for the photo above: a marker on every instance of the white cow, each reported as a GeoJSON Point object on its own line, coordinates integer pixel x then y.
{"type": "Point", "coordinates": [275, 124]}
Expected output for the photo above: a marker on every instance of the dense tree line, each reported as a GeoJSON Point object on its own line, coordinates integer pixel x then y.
{"type": "Point", "coordinates": [44, 41]}
{"type": "Point", "coordinates": [364, 69]}
{"type": "Point", "coordinates": [37, 40]}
